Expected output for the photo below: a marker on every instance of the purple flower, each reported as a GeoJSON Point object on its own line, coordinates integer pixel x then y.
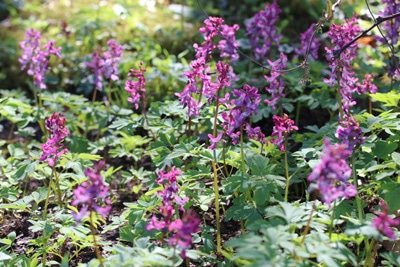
{"type": "Point", "coordinates": [276, 81]}
{"type": "Point", "coordinates": [214, 140]}
{"type": "Point", "coordinates": [89, 192]}
{"type": "Point", "coordinates": [383, 222]}
{"type": "Point", "coordinates": [137, 89]}
{"type": "Point", "coordinates": [169, 199]}
{"type": "Point", "coordinates": [349, 132]}
{"type": "Point", "coordinates": [106, 64]}
{"type": "Point", "coordinates": [331, 175]}
{"type": "Point", "coordinates": [53, 148]}
{"type": "Point", "coordinates": [243, 106]}
{"type": "Point", "coordinates": [283, 127]}
{"type": "Point", "coordinates": [391, 26]}
{"type": "Point", "coordinates": [111, 60]}
{"type": "Point", "coordinates": [96, 65]}
{"type": "Point", "coordinates": [367, 86]}
{"type": "Point", "coordinates": [38, 59]}
{"type": "Point", "coordinates": [256, 134]}
{"type": "Point", "coordinates": [228, 45]}
{"type": "Point", "coordinates": [183, 230]}
{"type": "Point", "coordinates": [341, 67]}
{"type": "Point", "coordinates": [305, 38]}
{"type": "Point", "coordinates": [261, 30]}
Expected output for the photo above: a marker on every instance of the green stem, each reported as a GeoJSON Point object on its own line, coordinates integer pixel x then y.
{"type": "Point", "coordinates": [46, 203]}
{"type": "Point", "coordinates": [358, 199]}
{"type": "Point", "coordinates": [96, 247]}
{"type": "Point", "coordinates": [242, 150]}
{"type": "Point", "coordinates": [58, 186]}
{"type": "Point", "coordinates": [216, 193]}
{"type": "Point", "coordinates": [286, 170]}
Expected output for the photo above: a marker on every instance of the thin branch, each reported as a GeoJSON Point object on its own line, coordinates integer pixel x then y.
{"type": "Point", "coordinates": [378, 21]}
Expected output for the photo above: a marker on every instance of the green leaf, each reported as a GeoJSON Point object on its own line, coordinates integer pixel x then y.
{"type": "Point", "coordinates": [4, 256]}
{"type": "Point", "coordinates": [86, 156]}
{"type": "Point", "coordinates": [383, 148]}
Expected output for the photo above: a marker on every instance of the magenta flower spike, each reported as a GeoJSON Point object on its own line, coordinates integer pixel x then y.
{"type": "Point", "coordinates": [341, 66]}
{"type": "Point", "coordinates": [283, 127]}
{"type": "Point", "coordinates": [384, 223]}
{"type": "Point", "coordinates": [262, 32]}
{"type": "Point", "coordinates": [349, 132]}
{"type": "Point", "coordinates": [391, 26]}
{"type": "Point", "coordinates": [330, 176]}
{"type": "Point", "coordinates": [367, 86]}
{"type": "Point", "coordinates": [137, 89]}
{"type": "Point", "coordinates": [111, 60]}
{"type": "Point", "coordinates": [243, 106]}
{"type": "Point", "coordinates": [37, 58]}
{"type": "Point", "coordinates": [53, 148]}
{"type": "Point", "coordinates": [276, 81]}
{"type": "Point", "coordinates": [305, 38]}
{"type": "Point", "coordinates": [106, 64]}
{"type": "Point", "coordinates": [180, 229]}
{"type": "Point", "coordinates": [88, 193]}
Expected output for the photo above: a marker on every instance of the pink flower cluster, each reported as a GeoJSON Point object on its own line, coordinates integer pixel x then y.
{"type": "Point", "coordinates": [243, 106]}
{"type": "Point", "coordinates": [107, 64]}
{"type": "Point", "coordinates": [35, 57]}
{"type": "Point", "coordinates": [137, 89]}
{"type": "Point", "coordinates": [330, 176]}
{"type": "Point", "coordinates": [262, 32]}
{"type": "Point", "coordinates": [89, 192]}
{"type": "Point", "coordinates": [349, 132]}
{"type": "Point", "coordinates": [391, 26]}
{"type": "Point", "coordinates": [305, 38]}
{"type": "Point", "coordinates": [199, 77]}
{"type": "Point", "coordinates": [384, 223]}
{"type": "Point", "coordinates": [181, 229]}
{"type": "Point", "coordinates": [53, 148]}
{"type": "Point", "coordinates": [341, 66]}
{"type": "Point", "coordinates": [283, 126]}
{"type": "Point", "coordinates": [276, 81]}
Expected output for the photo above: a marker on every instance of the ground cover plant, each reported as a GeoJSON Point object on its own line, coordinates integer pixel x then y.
{"type": "Point", "coordinates": [226, 144]}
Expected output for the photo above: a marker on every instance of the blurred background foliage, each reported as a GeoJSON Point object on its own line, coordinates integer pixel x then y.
{"type": "Point", "coordinates": [160, 33]}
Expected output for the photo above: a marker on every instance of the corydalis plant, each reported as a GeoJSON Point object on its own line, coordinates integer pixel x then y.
{"type": "Point", "coordinates": [306, 41]}
{"type": "Point", "coordinates": [54, 146]}
{"type": "Point", "coordinates": [137, 89]}
{"type": "Point", "coordinates": [179, 229]}
{"type": "Point", "coordinates": [37, 58]}
{"type": "Point", "coordinates": [86, 198]}
{"type": "Point", "coordinates": [341, 69]}
{"type": "Point", "coordinates": [262, 32]}
{"type": "Point", "coordinates": [330, 176]}
{"type": "Point", "coordinates": [283, 126]}
{"type": "Point", "coordinates": [242, 107]}
{"type": "Point", "coordinates": [276, 81]}
{"type": "Point", "coordinates": [349, 132]}
{"type": "Point", "coordinates": [199, 77]}
{"type": "Point", "coordinates": [88, 193]}
{"type": "Point", "coordinates": [384, 223]}
{"type": "Point", "coordinates": [106, 64]}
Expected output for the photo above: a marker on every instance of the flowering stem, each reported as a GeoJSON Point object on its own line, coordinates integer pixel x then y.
{"type": "Point", "coordinates": [96, 247]}
{"type": "Point", "coordinates": [94, 94]}
{"type": "Point", "coordinates": [58, 186]}
{"type": "Point", "coordinates": [216, 193]}
{"type": "Point", "coordinates": [307, 228]}
{"type": "Point", "coordinates": [46, 203]}
{"type": "Point", "coordinates": [242, 149]}
{"type": "Point", "coordinates": [358, 200]}
{"type": "Point", "coordinates": [216, 188]}
{"type": "Point", "coordinates": [286, 170]}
